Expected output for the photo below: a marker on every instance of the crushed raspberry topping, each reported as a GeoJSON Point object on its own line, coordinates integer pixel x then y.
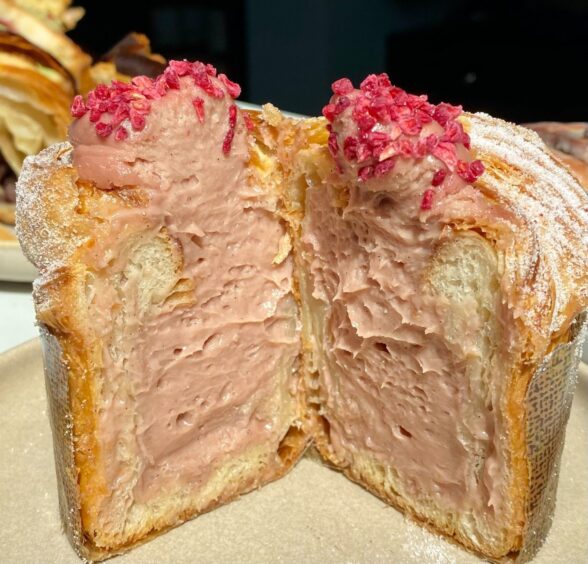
{"type": "Point", "coordinates": [248, 122]}
{"type": "Point", "coordinates": [120, 106]}
{"type": "Point", "coordinates": [233, 88]}
{"type": "Point", "coordinates": [389, 125]}
{"type": "Point", "coordinates": [228, 141]}
{"type": "Point", "coordinates": [427, 202]}
{"type": "Point", "coordinates": [198, 104]}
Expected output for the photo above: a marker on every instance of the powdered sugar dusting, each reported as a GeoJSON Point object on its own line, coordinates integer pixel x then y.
{"type": "Point", "coordinates": [45, 208]}
{"type": "Point", "coordinates": [547, 261]}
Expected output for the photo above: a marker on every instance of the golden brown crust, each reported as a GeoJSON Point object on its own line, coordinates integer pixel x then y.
{"type": "Point", "coordinates": [538, 229]}
{"type": "Point", "coordinates": [542, 236]}
{"type": "Point", "coordinates": [57, 14]}
{"type": "Point", "coordinates": [41, 93]}
{"type": "Point", "coordinates": [49, 203]}
{"type": "Point", "coordinates": [545, 254]}
{"type": "Point", "coordinates": [58, 219]}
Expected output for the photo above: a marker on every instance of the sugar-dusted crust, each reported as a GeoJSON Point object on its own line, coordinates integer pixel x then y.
{"type": "Point", "coordinates": [58, 218]}
{"type": "Point", "coordinates": [545, 253]}
{"type": "Point", "coordinates": [539, 234]}
{"type": "Point", "coordinates": [51, 232]}
{"type": "Point", "coordinates": [545, 262]}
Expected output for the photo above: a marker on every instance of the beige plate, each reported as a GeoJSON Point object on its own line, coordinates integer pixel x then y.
{"type": "Point", "coordinates": [311, 515]}
{"type": "Point", "coordinates": [14, 267]}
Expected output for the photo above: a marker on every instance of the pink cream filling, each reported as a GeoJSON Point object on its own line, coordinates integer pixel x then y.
{"type": "Point", "coordinates": [392, 386]}
{"type": "Point", "coordinates": [392, 383]}
{"type": "Point", "coordinates": [202, 378]}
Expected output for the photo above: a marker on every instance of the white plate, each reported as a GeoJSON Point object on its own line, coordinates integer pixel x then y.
{"type": "Point", "coordinates": [14, 266]}
{"type": "Point", "coordinates": [311, 515]}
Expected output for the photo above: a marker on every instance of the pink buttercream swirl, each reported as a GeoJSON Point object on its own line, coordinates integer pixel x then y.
{"type": "Point", "coordinates": [113, 108]}
{"type": "Point", "coordinates": [389, 124]}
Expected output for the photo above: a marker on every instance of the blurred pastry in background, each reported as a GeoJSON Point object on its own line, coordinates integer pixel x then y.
{"type": "Point", "coordinates": [569, 143]}
{"type": "Point", "coordinates": [131, 56]}
{"type": "Point", "coordinates": [41, 70]}
{"type": "Point", "coordinates": [57, 14]}
{"type": "Point", "coordinates": [6, 235]}
{"type": "Point", "coordinates": [41, 27]}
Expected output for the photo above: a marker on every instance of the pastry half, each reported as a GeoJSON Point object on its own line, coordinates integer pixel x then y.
{"type": "Point", "coordinates": [443, 264]}
{"type": "Point", "coordinates": [167, 305]}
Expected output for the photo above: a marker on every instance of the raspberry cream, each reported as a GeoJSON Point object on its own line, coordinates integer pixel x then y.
{"type": "Point", "coordinates": [211, 373]}
{"type": "Point", "coordinates": [393, 387]}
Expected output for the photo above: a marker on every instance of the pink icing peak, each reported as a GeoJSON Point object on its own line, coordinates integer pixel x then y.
{"type": "Point", "coordinates": [388, 124]}
{"type": "Point", "coordinates": [110, 105]}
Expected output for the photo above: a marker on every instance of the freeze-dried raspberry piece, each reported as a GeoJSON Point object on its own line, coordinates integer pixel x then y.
{"type": "Point", "coordinates": [137, 120]}
{"type": "Point", "coordinates": [233, 88]}
{"type": "Point", "coordinates": [228, 141]}
{"type": "Point", "coordinates": [121, 133]}
{"type": "Point", "coordinates": [342, 86]}
{"type": "Point", "coordinates": [469, 172]}
{"type": "Point", "coordinates": [198, 104]}
{"type": "Point", "coordinates": [248, 122]}
{"type": "Point", "coordinates": [427, 201]}
{"type": "Point", "coordinates": [439, 177]}
{"type": "Point", "coordinates": [384, 167]}
{"type": "Point", "coordinates": [445, 112]}
{"type": "Point", "coordinates": [103, 129]}
{"type": "Point", "coordinates": [329, 111]}
{"type": "Point", "coordinates": [365, 173]}
{"type": "Point", "coordinates": [333, 145]}
{"type": "Point", "coordinates": [78, 107]}
{"type": "Point", "coordinates": [171, 78]}
{"type": "Point", "coordinates": [446, 153]}
{"type": "Point", "coordinates": [182, 68]}
{"type": "Point", "coordinates": [350, 148]}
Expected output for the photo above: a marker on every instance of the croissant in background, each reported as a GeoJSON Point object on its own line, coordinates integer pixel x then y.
{"type": "Point", "coordinates": [41, 69]}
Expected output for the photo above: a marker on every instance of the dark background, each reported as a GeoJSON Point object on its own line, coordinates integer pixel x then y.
{"type": "Point", "coordinates": [520, 60]}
